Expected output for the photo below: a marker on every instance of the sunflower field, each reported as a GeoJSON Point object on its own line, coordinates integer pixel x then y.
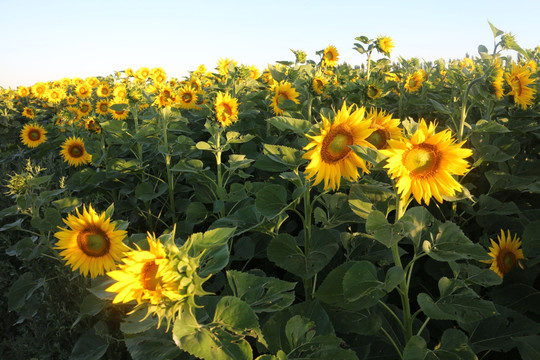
{"type": "Point", "coordinates": [311, 210]}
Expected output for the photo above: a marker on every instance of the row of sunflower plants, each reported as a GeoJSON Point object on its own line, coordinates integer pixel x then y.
{"type": "Point", "coordinates": [316, 210]}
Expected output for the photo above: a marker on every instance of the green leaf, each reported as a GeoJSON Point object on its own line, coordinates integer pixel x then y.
{"type": "Point", "coordinates": [188, 166]}
{"type": "Point", "coordinates": [271, 200]}
{"type": "Point", "coordinates": [394, 276]}
{"type": "Point", "coordinates": [299, 330]}
{"type": "Point", "coordinates": [234, 137]}
{"type": "Point", "coordinates": [485, 126]}
{"type": "Point", "coordinates": [210, 239]}
{"type": "Point", "coordinates": [496, 32]}
{"type": "Point", "coordinates": [261, 293]}
{"type": "Point", "coordinates": [236, 316]}
{"type": "Point", "coordinates": [368, 154]}
{"type": "Point", "coordinates": [531, 240]}
{"type": "Point", "coordinates": [299, 126]}
{"type": "Point", "coordinates": [155, 344]}
{"type": "Point", "coordinates": [89, 346]}
{"type": "Point", "coordinates": [134, 323]}
{"type": "Point", "coordinates": [454, 345]}
{"type": "Point", "coordinates": [457, 303]}
{"type": "Point", "coordinates": [450, 244]}
{"type": "Point", "coordinates": [288, 156]}
{"type": "Point", "coordinates": [14, 225]}
{"type": "Point", "coordinates": [528, 346]}
{"type": "Point", "coordinates": [416, 349]}
{"type": "Point", "coordinates": [90, 306]}
{"type": "Point", "coordinates": [420, 221]}
{"type": "Point", "coordinates": [285, 253]}
{"type": "Point", "coordinates": [384, 232]}
{"type": "Point", "coordinates": [99, 286]}
{"type": "Point", "coordinates": [196, 212]}
{"type": "Point", "coordinates": [360, 282]}
{"type": "Point", "coordinates": [22, 289]}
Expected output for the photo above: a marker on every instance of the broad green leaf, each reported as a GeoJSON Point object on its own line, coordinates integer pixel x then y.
{"type": "Point", "coordinates": [99, 285]}
{"type": "Point", "coordinates": [384, 232]}
{"type": "Point", "coordinates": [284, 155]}
{"type": "Point", "coordinates": [50, 222]}
{"type": "Point", "coordinates": [261, 293]}
{"type": "Point", "coordinates": [299, 330]}
{"type": "Point", "coordinates": [271, 200]}
{"type": "Point", "coordinates": [155, 344]}
{"type": "Point", "coordinates": [531, 240]}
{"type": "Point", "coordinates": [450, 244]}
{"type": "Point", "coordinates": [522, 298]}
{"type": "Point", "coordinates": [323, 347]}
{"type": "Point", "coordinates": [368, 154]}
{"type": "Point", "coordinates": [283, 123]}
{"type": "Point", "coordinates": [188, 166]}
{"type": "Point", "coordinates": [90, 346]}
{"type": "Point", "coordinates": [196, 212]}
{"type": "Point", "coordinates": [416, 349]}
{"type": "Point", "coordinates": [210, 239]}
{"type": "Point", "coordinates": [394, 276]}
{"type": "Point", "coordinates": [22, 289]}
{"type": "Point", "coordinates": [528, 346]}
{"type": "Point", "coordinates": [234, 137]}
{"type": "Point", "coordinates": [454, 345]}
{"type": "Point", "coordinates": [360, 282]}
{"type": "Point", "coordinates": [90, 306]}
{"type": "Point", "coordinates": [237, 317]}
{"type": "Point", "coordinates": [473, 274]}
{"type": "Point", "coordinates": [420, 221]}
{"type": "Point", "coordinates": [14, 225]}
{"type": "Point", "coordinates": [496, 32]}
{"type": "Point", "coordinates": [145, 191]}
{"type": "Point", "coordinates": [363, 198]}
{"type": "Point", "coordinates": [134, 323]}
{"type": "Point", "coordinates": [285, 253]}
{"type": "Point", "coordinates": [485, 126]}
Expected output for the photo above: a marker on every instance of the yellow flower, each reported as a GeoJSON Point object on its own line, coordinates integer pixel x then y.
{"type": "Point", "coordinates": [102, 107]}
{"type": "Point", "coordinates": [226, 109]}
{"type": "Point", "coordinates": [223, 66]}
{"type": "Point", "coordinates": [496, 80]}
{"type": "Point", "coordinates": [467, 64]}
{"type": "Point", "coordinates": [414, 81]}
{"type": "Point", "coordinates": [505, 253]}
{"type": "Point", "coordinates": [283, 91]}
{"type": "Point", "coordinates": [55, 95]}
{"type": "Point", "coordinates": [373, 91]}
{"type": "Point", "coordinates": [92, 244]}
{"type": "Point", "coordinates": [39, 90]}
{"type": "Point", "coordinates": [187, 98]}
{"type": "Point", "coordinates": [120, 114]}
{"type": "Point", "coordinates": [425, 164]}
{"type": "Point", "coordinates": [142, 74]}
{"type": "Point", "coordinates": [83, 91]}
{"type": "Point", "coordinates": [385, 45]}
{"type": "Point", "coordinates": [92, 81]}
{"type": "Point", "coordinates": [386, 128]}
{"type": "Point", "coordinates": [129, 72]}
{"type": "Point", "coordinates": [518, 80]}
{"type": "Point", "coordinates": [72, 100]}
{"type": "Point", "coordinates": [158, 75]}
{"type": "Point", "coordinates": [33, 135]}
{"type": "Point", "coordinates": [29, 113]}
{"type": "Point", "coordinates": [195, 84]}
{"type": "Point", "coordinates": [165, 97]}
{"type": "Point", "coordinates": [85, 108]}
{"type": "Point", "coordinates": [74, 152]}
{"type": "Point", "coordinates": [146, 276]}
{"type": "Point", "coordinates": [318, 83]}
{"type": "Point", "coordinates": [329, 153]}
{"type": "Point", "coordinates": [23, 91]}
{"type": "Point", "coordinates": [267, 78]}
{"type": "Point", "coordinates": [120, 91]}
{"type": "Point", "coordinates": [103, 90]}
{"type": "Point", "coordinates": [254, 72]}
{"type": "Point", "coordinates": [330, 56]}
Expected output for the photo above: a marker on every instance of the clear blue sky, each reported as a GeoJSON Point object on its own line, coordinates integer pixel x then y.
{"type": "Point", "coordinates": [47, 40]}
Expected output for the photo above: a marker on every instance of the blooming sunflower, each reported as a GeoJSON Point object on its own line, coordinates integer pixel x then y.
{"type": "Point", "coordinates": [39, 90]}
{"type": "Point", "coordinates": [414, 81]}
{"type": "Point", "coordinates": [467, 64]}
{"type": "Point", "coordinates": [518, 79]}
{"type": "Point", "coordinates": [254, 72]}
{"type": "Point", "coordinates": [223, 66]}
{"type": "Point", "coordinates": [74, 152]}
{"type": "Point", "coordinates": [55, 95]}
{"type": "Point", "coordinates": [72, 100]}
{"type": "Point", "coordinates": [330, 56]}
{"type": "Point", "coordinates": [329, 152]}
{"type": "Point", "coordinates": [496, 80]}
{"type": "Point", "coordinates": [187, 98]}
{"type": "Point", "coordinates": [92, 244]}
{"type": "Point", "coordinates": [165, 97]}
{"type": "Point", "coordinates": [85, 108]}
{"type": "Point", "coordinates": [120, 114]}
{"type": "Point", "coordinates": [29, 113]}
{"type": "Point", "coordinates": [142, 74]}
{"type": "Point", "coordinates": [23, 91]}
{"type": "Point", "coordinates": [83, 91]}
{"type": "Point", "coordinates": [102, 107]}
{"type": "Point", "coordinates": [283, 91]}
{"type": "Point", "coordinates": [158, 75]}
{"type": "Point", "coordinates": [226, 109]}
{"type": "Point", "coordinates": [33, 135]}
{"type": "Point", "coordinates": [120, 91]}
{"type": "Point", "coordinates": [425, 163]}
{"type": "Point", "coordinates": [385, 45]}
{"type": "Point", "coordinates": [373, 91]}
{"type": "Point", "coordinates": [145, 276]}
{"type": "Point", "coordinates": [505, 253]}
{"type": "Point", "coordinates": [318, 83]}
{"type": "Point", "coordinates": [386, 128]}
{"type": "Point", "coordinates": [104, 90]}
{"type": "Point", "coordinates": [92, 81]}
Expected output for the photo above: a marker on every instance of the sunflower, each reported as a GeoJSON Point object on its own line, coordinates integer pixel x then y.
{"type": "Point", "coordinates": [85, 108]}
{"type": "Point", "coordinates": [505, 253]}
{"type": "Point", "coordinates": [129, 72]}
{"type": "Point", "coordinates": [102, 107]}
{"type": "Point", "coordinates": [187, 98]}
{"type": "Point", "coordinates": [33, 135]}
{"type": "Point", "coordinates": [165, 97]}
{"type": "Point", "coordinates": [267, 78]}
{"type": "Point", "coordinates": [414, 81]}
{"type": "Point", "coordinates": [146, 276]}
{"type": "Point", "coordinates": [92, 244]}
{"type": "Point", "coordinates": [29, 113]}
{"type": "Point", "coordinates": [120, 91]}
{"type": "Point", "coordinates": [384, 45]}
{"type": "Point", "coordinates": [518, 80]}
{"type": "Point", "coordinates": [74, 152]}
{"type": "Point", "coordinates": [495, 80]}
{"type": "Point", "coordinates": [158, 75]}
{"type": "Point", "coordinates": [91, 125]}
{"type": "Point", "coordinates": [329, 152]}
{"type": "Point", "coordinates": [23, 91]}
{"type": "Point", "coordinates": [318, 83]}
{"type": "Point", "coordinates": [467, 64]}
{"type": "Point", "coordinates": [386, 128]}
{"type": "Point", "coordinates": [39, 89]}
{"type": "Point", "coordinates": [330, 56]}
{"type": "Point", "coordinates": [254, 72]}
{"type": "Point", "coordinates": [283, 91]}
{"type": "Point", "coordinates": [92, 81]}
{"type": "Point", "coordinates": [83, 91]}
{"type": "Point", "coordinates": [103, 90]}
{"type": "Point", "coordinates": [373, 91]}
{"type": "Point", "coordinates": [195, 84]}
{"type": "Point", "coordinates": [55, 95]}
{"type": "Point", "coordinates": [72, 100]}
{"type": "Point", "coordinates": [226, 109]}
{"type": "Point", "coordinates": [120, 114]}
{"type": "Point", "coordinates": [142, 74]}
{"type": "Point", "coordinates": [223, 66]}
{"type": "Point", "coordinates": [425, 163]}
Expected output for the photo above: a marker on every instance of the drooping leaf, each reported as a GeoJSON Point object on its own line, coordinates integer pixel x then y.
{"type": "Point", "coordinates": [271, 200]}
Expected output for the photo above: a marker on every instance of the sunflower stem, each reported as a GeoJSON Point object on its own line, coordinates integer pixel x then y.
{"type": "Point", "coordinates": [167, 156]}
{"type": "Point", "coordinates": [368, 71]}
{"type": "Point", "coordinates": [464, 107]}
{"type": "Point", "coordinates": [308, 284]}
{"type": "Point", "coordinates": [219, 174]}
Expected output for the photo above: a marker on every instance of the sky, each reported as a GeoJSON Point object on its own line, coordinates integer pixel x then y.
{"type": "Point", "coordinates": [53, 39]}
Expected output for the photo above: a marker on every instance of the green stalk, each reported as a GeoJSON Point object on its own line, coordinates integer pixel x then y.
{"type": "Point", "coordinates": [368, 72]}
{"type": "Point", "coordinates": [308, 284]}
{"type": "Point", "coordinates": [464, 107]}
{"type": "Point", "coordinates": [219, 174]}
{"type": "Point", "coordinates": [170, 178]}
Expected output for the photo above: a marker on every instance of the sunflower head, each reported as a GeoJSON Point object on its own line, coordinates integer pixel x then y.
{"type": "Point", "coordinates": [384, 45]}
{"type": "Point", "coordinates": [330, 56]}
{"type": "Point", "coordinates": [283, 91]}
{"type": "Point", "coordinates": [374, 91]}
{"type": "Point", "coordinates": [414, 81]}
{"type": "Point", "coordinates": [318, 84]}
{"type": "Point", "coordinates": [74, 152]}
{"type": "Point", "coordinates": [495, 80]}
{"type": "Point", "coordinates": [187, 98]}
{"type": "Point", "coordinates": [223, 66]}
{"type": "Point", "coordinates": [92, 244]}
{"type": "Point", "coordinates": [385, 127]}
{"type": "Point", "coordinates": [226, 109]}
{"type": "Point", "coordinates": [504, 253]}
{"type": "Point", "coordinates": [29, 113]}
{"type": "Point", "coordinates": [425, 164]}
{"type": "Point", "coordinates": [519, 79]}
{"type": "Point", "coordinates": [33, 135]}
{"type": "Point", "coordinates": [329, 153]}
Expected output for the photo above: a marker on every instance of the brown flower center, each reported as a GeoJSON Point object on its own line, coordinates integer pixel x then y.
{"type": "Point", "coordinates": [93, 242]}
{"type": "Point", "coordinates": [506, 260]}
{"type": "Point", "coordinates": [148, 275]}
{"type": "Point", "coordinates": [187, 98]}
{"type": "Point", "coordinates": [76, 151]}
{"type": "Point", "coordinates": [379, 138]}
{"type": "Point", "coordinates": [335, 144]}
{"type": "Point", "coordinates": [422, 160]}
{"type": "Point", "coordinates": [34, 135]}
